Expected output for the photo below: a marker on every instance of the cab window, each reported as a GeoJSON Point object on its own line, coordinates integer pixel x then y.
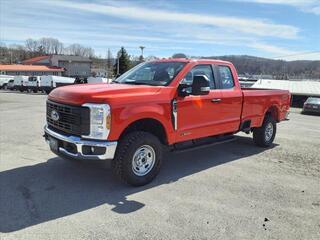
{"type": "Point", "coordinates": [199, 70]}
{"type": "Point", "coordinates": [226, 78]}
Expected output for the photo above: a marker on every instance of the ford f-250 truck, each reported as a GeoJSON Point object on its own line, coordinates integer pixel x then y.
{"type": "Point", "coordinates": [179, 103]}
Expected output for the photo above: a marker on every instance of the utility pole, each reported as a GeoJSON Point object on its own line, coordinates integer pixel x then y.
{"type": "Point", "coordinates": [118, 63]}
{"type": "Point", "coordinates": [109, 64]}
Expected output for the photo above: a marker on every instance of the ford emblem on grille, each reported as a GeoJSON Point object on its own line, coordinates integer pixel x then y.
{"type": "Point", "coordinates": [54, 115]}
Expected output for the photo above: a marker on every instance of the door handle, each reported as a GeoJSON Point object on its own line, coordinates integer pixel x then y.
{"type": "Point", "coordinates": [216, 100]}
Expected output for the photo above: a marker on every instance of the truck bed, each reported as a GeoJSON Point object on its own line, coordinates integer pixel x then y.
{"type": "Point", "coordinates": [257, 101]}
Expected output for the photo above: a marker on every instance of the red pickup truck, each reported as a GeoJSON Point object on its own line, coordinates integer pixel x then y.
{"type": "Point", "coordinates": [178, 103]}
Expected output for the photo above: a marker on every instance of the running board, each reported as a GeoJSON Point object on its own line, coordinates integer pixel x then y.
{"type": "Point", "coordinates": [202, 143]}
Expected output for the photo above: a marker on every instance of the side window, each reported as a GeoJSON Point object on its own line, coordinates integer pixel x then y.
{"type": "Point", "coordinates": [200, 70]}
{"type": "Point", "coordinates": [226, 77]}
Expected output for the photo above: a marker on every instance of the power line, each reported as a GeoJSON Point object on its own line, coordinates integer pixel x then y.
{"type": "Point", "coordinates": [297, 54]}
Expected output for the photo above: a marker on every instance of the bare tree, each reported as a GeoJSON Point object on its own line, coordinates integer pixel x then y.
{"type": "Point", "coordinates": [89, 52]}
{"type": "Point", "coordinates": [75, 49]}
{"type": "Point", "coordinates": [79, 50]}
{"type": "Point", "coordinates": [31, 45]}
{"type": "Point", "coordinates": [45, 45]}
{"type": "Point", "coordinates": [56, 47]}
{"type": "Point", "coordinates": [50, 45]}
{"type": "Point", "coordinates": [16, 53]}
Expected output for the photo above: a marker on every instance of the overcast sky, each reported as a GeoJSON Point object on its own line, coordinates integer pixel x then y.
{"type": "Point", "coordinates": [287, 29]}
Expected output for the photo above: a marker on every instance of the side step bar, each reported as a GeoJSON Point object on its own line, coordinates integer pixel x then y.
{"type": "Point", "coordinates": [202, 143]}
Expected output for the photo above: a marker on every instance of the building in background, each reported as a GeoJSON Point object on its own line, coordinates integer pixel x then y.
{"type": "Point", "coordinates": [30, 70]}
{"type": "Point", "coordinates": [74, 66]}
{"type": "Point", "coordinates": [99, 72]}
{"type": "Point", "coordinates": [300, 90]}
{"type": "Point", "coordinates": [103, 64]}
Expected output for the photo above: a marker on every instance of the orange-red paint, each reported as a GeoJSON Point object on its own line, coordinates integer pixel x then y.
{"type": "Point", "coordinates": [197, 115]}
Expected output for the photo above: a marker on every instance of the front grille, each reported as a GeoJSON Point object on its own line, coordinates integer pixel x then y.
{"type": "Point", "coordinates": [73, 120]}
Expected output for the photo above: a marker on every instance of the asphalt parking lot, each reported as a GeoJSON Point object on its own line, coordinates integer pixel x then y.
{"type": "Point", "coordinates": [230, 191]}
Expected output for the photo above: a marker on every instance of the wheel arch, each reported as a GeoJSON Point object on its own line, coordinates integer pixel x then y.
{"type": "Point", "coordinates": [150, 125]}
{"type": "Point", "coordinates": [274, 111]}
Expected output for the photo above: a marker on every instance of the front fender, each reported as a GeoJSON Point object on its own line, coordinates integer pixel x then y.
{"type": "Point", "coordinates": [123, 117]}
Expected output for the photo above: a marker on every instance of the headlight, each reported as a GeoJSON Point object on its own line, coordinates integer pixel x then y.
{"type": "Point", "coordinates": [100, 120]}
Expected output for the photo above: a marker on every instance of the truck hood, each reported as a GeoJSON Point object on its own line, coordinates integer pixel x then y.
{"type": "Point", "coordinates": [102, 93]}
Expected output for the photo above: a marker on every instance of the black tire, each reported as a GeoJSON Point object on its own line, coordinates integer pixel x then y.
{"type": "Point", "coordinates": [122, 164]}
{"type": "Point", "coordinates": [47, 91]}
{"type": "Point", "coordinates": [34, 90]}
{"type": "Point", "coordinates": [261, 135]}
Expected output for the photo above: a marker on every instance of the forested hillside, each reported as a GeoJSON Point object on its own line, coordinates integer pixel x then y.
{"type": "Point", "coordinates": [279, 69]}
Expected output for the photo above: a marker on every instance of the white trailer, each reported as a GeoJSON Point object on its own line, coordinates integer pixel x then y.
{"type": "Point", "coordinates": [4, 79]}
{"type": "Point", "coordinates": [34, 83]}
{"type": "Point", "coordinates": [98, 80]}
{"type": "Point", "coordinates": [20, 83]}
{"type": "Point", "coordinates": [48, 83]}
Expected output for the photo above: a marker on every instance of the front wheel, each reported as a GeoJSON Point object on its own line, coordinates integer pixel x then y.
{"type": "Point", "coordinates": [264, 135]}
{"type": "Point", "coordinates": [138, 158]}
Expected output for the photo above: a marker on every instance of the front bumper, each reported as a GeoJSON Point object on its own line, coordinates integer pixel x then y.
{"type": "Point", "coordinates": [78, 148]}
{"type": "Point", "coordinates": [311, 110]}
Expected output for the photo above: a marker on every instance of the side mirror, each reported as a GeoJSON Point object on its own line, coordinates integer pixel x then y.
{"type": "Point", "coordinates": [200, 85]}
{"type": "Point", "coordinates": [184, 89]}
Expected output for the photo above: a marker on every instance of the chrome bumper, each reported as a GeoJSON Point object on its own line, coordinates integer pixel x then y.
{"type": "Point", "coordinates": [110, 147]}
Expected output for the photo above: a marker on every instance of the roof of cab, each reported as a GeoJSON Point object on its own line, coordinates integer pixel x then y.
{"type": "Point", "coordinates": [187, 60]}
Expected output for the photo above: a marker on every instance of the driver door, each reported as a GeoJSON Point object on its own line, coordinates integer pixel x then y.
{"type": "Point", "coordinates": [198, 116]}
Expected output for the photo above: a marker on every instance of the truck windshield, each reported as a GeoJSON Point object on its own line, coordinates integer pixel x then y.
{"type": "Point", "coordinates": [152, 73]}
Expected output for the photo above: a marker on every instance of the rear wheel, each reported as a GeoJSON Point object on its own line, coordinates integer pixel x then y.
{"type": "Point", "coordinates": [138, 158]}
{"type": "Point", "coordinates": [264, 135]}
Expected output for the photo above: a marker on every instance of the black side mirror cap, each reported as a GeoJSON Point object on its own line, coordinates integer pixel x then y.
{"type": "Point", "coordinates": [184, 89]}
{"type": "Point", "coordinates": [200, 85]}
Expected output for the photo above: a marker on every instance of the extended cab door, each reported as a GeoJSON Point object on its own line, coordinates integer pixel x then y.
{"type": "Point", "coordinates": [231, 98]}
{"type": "Point", "coordinates": [199, 116]}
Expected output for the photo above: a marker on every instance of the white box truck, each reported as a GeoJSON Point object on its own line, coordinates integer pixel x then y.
{"type": "Point", "coordinates": [20, 83]}
{"type": "Point", "coordinates": [50, 82]}
{"type": "Point", "coordinates": [34, 83]}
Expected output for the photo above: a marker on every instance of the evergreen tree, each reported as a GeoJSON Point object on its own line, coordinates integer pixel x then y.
{"type": "Point", "coordinates": [123, 61]}
{"type": "Point", "coordinates": [141, 59]}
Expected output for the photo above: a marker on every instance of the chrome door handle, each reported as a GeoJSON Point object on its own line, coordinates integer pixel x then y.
{"type": "Point", "coordinates": [216, 100]}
